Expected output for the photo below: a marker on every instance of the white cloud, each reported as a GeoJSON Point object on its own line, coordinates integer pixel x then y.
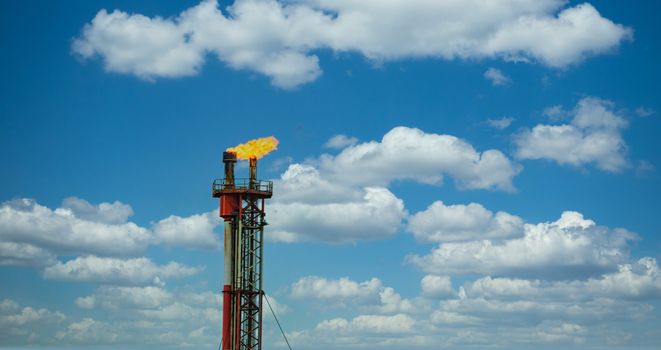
{"type": "Point", "coordinates": [644, 111]}
{"type": "Point", "coordinates": [499, 311]}
{"type": "Point", "coordinates": [520, 312]}
{"type": "Point", "coordinates": [411, 154]}
{"type": "Point", "coordinates": [370, 331]}
{"type": "Point", "coordinates": [8, 306]}
{"type": "Point", "coordinates": [377, 215]}
{"type": "Point", "coordinates": [279, 308]}
{"type": "Point", "coordinates": [302, 183]}
{"type": "Point", "coordinates": [580, 277]}
{"type": "Point", "coordinates": [193, 231]}
{"type": "Point", "coordinates": [22, 254]}
{"type": "Point", "coordinates": [136, 44]}
{"type": "Point", "coordinates": [136, 271]}
{"type": "Point", "coordinates": [62, 231]}
{"type": "Point", "coordinates": [443, 223]}
{"type": "Point", "coordinates": [88, 302]}
{"type": "Point", "coordinates": [555, 113]}
{"type": "Point", "coordinates": [146, 315]}
{"type": "Point", "coordinates": [500, 124]}
{"type": "Point", "coordinates": [115, 298]}
{"type": "Point", "coordinates": [340, 141]}
{"type": "Point", "coordinates": [89, 331]}
{"type": "Point", "coordinates": [33, 235]}
{"type": "Point", "coordinates": [340, 289]}
{"type": "Point", "coordinates": [370, 295]}
{"type": "Point", "coordinates": [392, 302]}
{"type": "Point", "coordinates": [593, 136]}
{"type": "Point", "coordinates": [569, 247]}
{"type": "Point", "coordinates": [177, 311]}
{"type": "Point", "coordinates": [436, 286]}
{"type": "Point", "coordinates": [366, 324]}
{"type": "Point", "coordinates": [333, 198]}
{"type": "Point", "coordinates": [497, 78]}
{"type": "Point", "coordinates": [637, 281]}
{"type": "Point", "coordinates": [107, 213]}
{"type": "Point", "coordinates": [278, 39]}
{"type": "Point", "coordinates": [25, 325]}
{"type": "Point", "coordinates": [445, 317]}
{"type": "Point", "coordinates": [206, 298]}
{"type": "Point", "coordinates": [11, 315]}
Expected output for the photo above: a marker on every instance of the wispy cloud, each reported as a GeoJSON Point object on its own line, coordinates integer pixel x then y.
{"type": "Point", "coordinates": [497, 77]}
{"type": "Point", "coordinates": [501, 123]}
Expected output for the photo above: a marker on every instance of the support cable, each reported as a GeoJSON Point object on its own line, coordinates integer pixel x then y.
{"type": "Point", "coordinates": [276, 321]}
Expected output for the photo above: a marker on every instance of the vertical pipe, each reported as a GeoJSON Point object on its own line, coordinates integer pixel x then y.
{"type": "Point", "coordinates": [261, 271]}
{"type": "Point", "coordinates": [237, 322]}
{"type": "Point", "coordinates": [229, 159]}
{"type": "Point", "coordinates": [227, 288]}
{"type": "Point", "coordinates": [253, 173]}
{"type": "Point", "coordinates": [251, 271]}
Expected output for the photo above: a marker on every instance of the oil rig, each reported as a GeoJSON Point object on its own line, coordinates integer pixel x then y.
{"type": "Point", "coordinates": [242, 209]}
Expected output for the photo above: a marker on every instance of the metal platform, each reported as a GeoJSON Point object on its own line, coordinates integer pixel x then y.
{"type": "Point", "coordinates": [258, 188]}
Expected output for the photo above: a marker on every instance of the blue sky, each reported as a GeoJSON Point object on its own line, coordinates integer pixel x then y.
{"type": "Point", "coordinates": [428, 151]}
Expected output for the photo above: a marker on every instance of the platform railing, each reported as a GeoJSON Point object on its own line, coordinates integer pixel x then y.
{"type": "Point", "coordinates": [243, 184]}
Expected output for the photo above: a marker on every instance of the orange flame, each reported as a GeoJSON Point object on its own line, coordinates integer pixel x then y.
{"type": "Point", "coordinates": [256, 148]}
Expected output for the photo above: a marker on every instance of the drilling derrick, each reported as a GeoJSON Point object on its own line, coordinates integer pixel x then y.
{"type": "Point", "coordinates": [242, 209]}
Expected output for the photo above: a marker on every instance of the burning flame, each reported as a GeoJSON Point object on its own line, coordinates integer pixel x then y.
{"type": "Point", "coordinates": [256, 148]}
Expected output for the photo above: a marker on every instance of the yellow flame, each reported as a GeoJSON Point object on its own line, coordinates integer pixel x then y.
{"type": "Point", "coordinates": [256, 148]}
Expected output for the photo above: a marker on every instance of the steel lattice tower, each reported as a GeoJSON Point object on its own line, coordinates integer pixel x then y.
{"type": "Point", "coordinates": [242, 208]}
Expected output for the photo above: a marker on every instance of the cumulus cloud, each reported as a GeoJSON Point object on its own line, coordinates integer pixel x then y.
{"type": "Point", "coordinates": [342, 198]}
{"type": "Point", "coordinates": [340, 289]}
{"type": "Point", "coordinates": [88, 331]}
{"type": "Point", "coordinates": [396, 324]}
{"type": "Point", "coordinates": [62, 231]}
{"type": "Point", "coordinates": [194, 231]}
{"type": "Point", "coordinates": [518, 312]}
{"type": "Point", "coordinates": [392, 302]}
{"type": "Point", "coordinates": [436, 286]}
{"type": "Point", "coordinates": [136, 271]}
{"type": "Point", "coordinates": [453, 318]}
{"type": "Point", "coordinates": [377, 215]}
{"type": "Point", "coordinates": [33, 235]}
{"type": "Point", "coordinates": [107, 213]}
{"type": "Point", "coordinates": [114, 298]}
{"type": "Point", "coordinates": [304, 183]}
{"type": "Point", "coordinates": [497, 77]}
{"type": "Point", "coordinates": [443, 223]}
{"type": "Point", "coordinates": [363, 330]}
{"type": "Point", "coordinates": [370, 296]}
{"type": "Point", "coordinates": [12, 315]}
{"type": "Point", "coordinates": [555, 283]}
{"type": "Point", "coordinates": [21, 325]}
{"type": "Point", "coordinates": [411, 154]}
{"type": "Point", "coordinates": [569, 247]}
{"type": "Point", "coordinates": [88, 302]}
{"type": "Point", "coordinates": [485, 310]}
{"type": "Point", "coordinates": [22, 254]}
{"type": "Point", "coordinates": [144, 315]}
{"type": "Point", "coordinates": [633, 281]}
{"type": "Point", "coordinates": [593, 136]}
{"type": "Point", "coordinates": [278, 39]}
